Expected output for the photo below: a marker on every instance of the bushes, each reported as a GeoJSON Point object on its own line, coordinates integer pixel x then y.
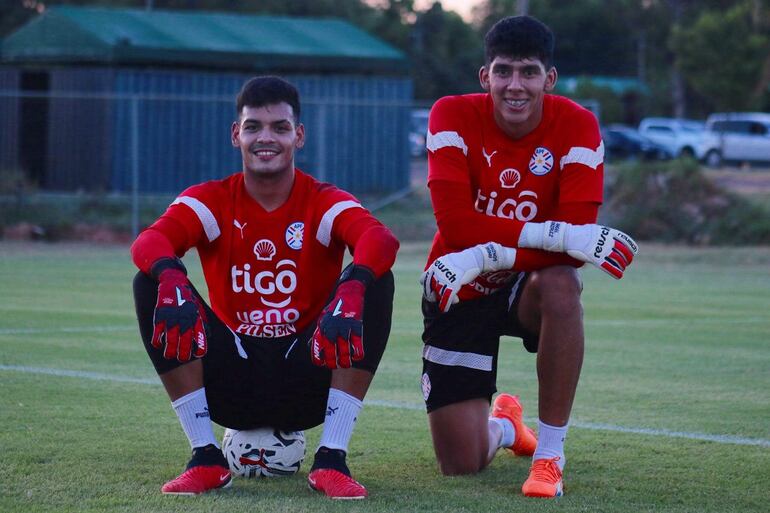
{"type": "Point", "coordinates": [667, 202]}
{"type": "Point", "coordinates": [73, 216]}
{"type": "Point", "coordinates": [675, 202]}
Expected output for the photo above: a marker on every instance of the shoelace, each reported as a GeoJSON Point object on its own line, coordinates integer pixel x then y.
{"type": "Point", "coordinates": [546, 470]}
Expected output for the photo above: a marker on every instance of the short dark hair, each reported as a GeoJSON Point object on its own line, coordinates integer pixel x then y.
{"type": "Point", "coordinates": [267, 90]}
{"type": "Point", "coordinates": [519, 37]}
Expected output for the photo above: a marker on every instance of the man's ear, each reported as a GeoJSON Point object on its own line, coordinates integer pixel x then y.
{"type": "Point", "coordinates": [484, 78]}
{"type": "Point", "coordinates": [551, 76]}
{"type": "Point", "coordinates": [300, 136]}
{"type": "Point", "coordinates": [235, 134]}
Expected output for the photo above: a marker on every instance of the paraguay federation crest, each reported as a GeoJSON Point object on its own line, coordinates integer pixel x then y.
{"type": "Point", "coordinates": [541, 162]}
{"type": "Point", "coordinates": [294, 234]}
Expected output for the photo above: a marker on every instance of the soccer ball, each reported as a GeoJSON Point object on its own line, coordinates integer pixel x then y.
{"type": "Point", "coordinates": [263, 452]}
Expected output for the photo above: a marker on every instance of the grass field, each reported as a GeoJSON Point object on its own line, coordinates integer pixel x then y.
{"type": "Point", "coordinates": [672, 414]}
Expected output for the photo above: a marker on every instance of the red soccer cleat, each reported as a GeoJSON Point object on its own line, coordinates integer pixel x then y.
{"type": "Point", "coordinates": [507, 406]}
{"type": "Point", "coordinates": [336, 485]}
{"type": "Point", "coordinates": [198, 479]}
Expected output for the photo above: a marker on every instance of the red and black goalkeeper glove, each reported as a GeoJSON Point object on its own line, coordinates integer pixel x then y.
{"type": "Point", "coordinates": [338, 338]}
{"type": "Point", "coordinates": [179, 315]}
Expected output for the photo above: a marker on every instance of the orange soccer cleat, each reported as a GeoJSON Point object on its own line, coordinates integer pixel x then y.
{"type": "Point", "coordinates": [507, 406]}
{"type": "Point", "coordinates": [544, 479]}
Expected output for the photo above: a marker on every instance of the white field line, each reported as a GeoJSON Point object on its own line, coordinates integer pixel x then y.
{"type": "Point", "coordinates": [721, 439]}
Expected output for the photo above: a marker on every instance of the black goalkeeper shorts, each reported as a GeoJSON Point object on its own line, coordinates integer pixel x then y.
{"type": "Point", "coordinates": [253, 382]}
{"type": "Point", "coordinates": [459, 358]}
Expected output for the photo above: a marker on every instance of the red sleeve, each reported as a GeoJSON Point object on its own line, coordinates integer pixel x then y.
{"type": "Point", "coordinates": [461, 225]}
{"type": "Point", "coordinates": [165, 238]}
{"type": "Point", "coordinates": [175, 232]}
{"type": "Point", "coordinates": [341, 216]}
{"type": "Point", "coordinates": [448, 140]}
{"type": "Point", "coordinates": [582, 174]}
{"type": "Point", "coordinates": [373, 245]}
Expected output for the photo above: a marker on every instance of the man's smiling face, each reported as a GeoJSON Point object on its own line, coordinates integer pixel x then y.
{"type": "Point", "coordinates": [517, 87]}
{"type": "Point", "coordinates": [267, 137]}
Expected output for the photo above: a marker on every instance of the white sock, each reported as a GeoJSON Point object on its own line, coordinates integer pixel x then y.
{"type": "Point", "coordinates": [507, 429]}
{"type": "Point", "coordinates": [550, 442]}
{"type": "Point", "coordinates": [193, 412]}
{"type": "Point", "coordinates": [341, 415]}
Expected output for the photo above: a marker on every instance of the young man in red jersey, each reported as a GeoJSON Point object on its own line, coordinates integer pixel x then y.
{"type": "Point", "coordinates": [288, 342]}
{"type": "Point", "coordinates": [515, 177]}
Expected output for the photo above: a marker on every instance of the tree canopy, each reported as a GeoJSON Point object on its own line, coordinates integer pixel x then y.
{"type": "Point", "coordinates": [692, 56]}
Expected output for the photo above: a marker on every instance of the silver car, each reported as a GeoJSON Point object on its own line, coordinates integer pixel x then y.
{"type": "Point", "coordinates": [742, 137]}
{"type": "Point", "coordinates": [681, 137]}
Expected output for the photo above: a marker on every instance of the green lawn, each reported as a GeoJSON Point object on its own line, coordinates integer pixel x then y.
{"type": "Point", "coordinates": [672, 414]}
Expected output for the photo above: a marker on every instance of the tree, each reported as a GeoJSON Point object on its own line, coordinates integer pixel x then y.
{"type": "Point", "coordinates": [721, 55]}
{"type": "Point", "coordinates": [446, 54]}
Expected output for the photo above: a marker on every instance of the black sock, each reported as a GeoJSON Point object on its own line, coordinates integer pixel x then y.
{"type": "Point", "coordinates": [207, 455]}
{"type": "Point", "coordinates": [330, 458]}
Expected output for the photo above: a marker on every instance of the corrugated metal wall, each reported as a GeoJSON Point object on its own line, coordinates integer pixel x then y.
{"type": "Point", "coordinates": [80, 146]}
{"type": "Point", "coordinates": [356, 127]}
{"type": "Point", "coordinates": [9, 120]}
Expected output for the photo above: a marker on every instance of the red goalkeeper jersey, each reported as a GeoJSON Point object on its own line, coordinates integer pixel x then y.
{"type": "Point", "coordinates": [269, 274]}
{"type": "Point", "coordinates": [549, 174]}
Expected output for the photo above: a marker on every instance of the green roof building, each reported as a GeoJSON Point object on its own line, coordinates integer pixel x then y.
{"type": "Point", "coordinates": [102, 81]}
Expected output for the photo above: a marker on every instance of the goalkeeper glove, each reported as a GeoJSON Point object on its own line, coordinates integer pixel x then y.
{"type": "Point", "coordinates": [179, 315]}
{"type": "Point", "coordinates": [447, 274]}
{"type": "Point", "coordinates": [338, 338]}
{"type": "Point", "coordinates": [610, 250]}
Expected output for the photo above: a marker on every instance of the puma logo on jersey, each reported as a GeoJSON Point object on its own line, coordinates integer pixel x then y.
{"type": "Point", "coordinates": [488, 156]}
{"type": "Point", "coordinates": [239, 226]}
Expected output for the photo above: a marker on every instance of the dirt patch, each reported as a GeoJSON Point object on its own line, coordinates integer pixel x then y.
{"type": "Point", "coordinates": [748, 182]}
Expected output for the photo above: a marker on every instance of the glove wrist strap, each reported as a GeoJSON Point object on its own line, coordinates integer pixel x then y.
{"type": "Point", "coordinates": [497, 257]}
{"type": "Point", "coordinates": [358, 272]}
{"type": "Point", "coordinates": [166, 263]}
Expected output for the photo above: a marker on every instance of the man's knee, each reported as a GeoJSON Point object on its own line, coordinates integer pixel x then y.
{"type": "Point", "coordinates": [378, 312]}
{"type": "Point", "coordinates": [453, 466]}
{"type": "Point", "coordinates": [556, 287]}
{"type": "Point", "coordinates": [561, 279]}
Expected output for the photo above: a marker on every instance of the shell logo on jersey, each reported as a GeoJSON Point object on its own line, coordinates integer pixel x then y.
{"type": "Point", "coordinates": [294, 235]}
{"type": "Point", "coordinates": [509, 178]}
{"type": "Point", "coordinates": [524, 208]}
{"type": "Point", "coordinates": [264, 249]}
{"type": "Point", "coordinates": [541, 162]}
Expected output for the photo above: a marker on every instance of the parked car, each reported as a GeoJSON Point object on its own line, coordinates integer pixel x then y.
{"type": "Point", "coordinates": [681, 137]}
{"type": "Point", "coordinates": [738, 137]}
{"type": "Point", "coordinates": [624, 142]}
{"type": "Point", "coordinates": [418, 131]}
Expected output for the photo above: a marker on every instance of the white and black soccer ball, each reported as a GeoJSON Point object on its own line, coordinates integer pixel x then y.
{"type": "Point", "coordinates": [263, 452]}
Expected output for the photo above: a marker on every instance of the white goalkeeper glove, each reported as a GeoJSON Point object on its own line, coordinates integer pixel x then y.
{"type": "Point", "coordinates": [447, 274]}
{"type": "Point", "coordinates": [606, 248]}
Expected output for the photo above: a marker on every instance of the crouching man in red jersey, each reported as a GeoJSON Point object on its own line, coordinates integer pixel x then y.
{"type": "Point", "coordinates": [515, 178]}
{"type": "Point", "coordinates": [288, 342]}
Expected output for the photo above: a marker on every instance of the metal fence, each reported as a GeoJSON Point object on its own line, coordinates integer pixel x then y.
{"type": "Point", "coordinates": [150, 143]}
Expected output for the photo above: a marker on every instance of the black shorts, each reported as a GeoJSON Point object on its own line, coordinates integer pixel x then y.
{"type": "Point", "coordinates": [459, 358]}
{"type": "Point", "coordinates": [253, 382]}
